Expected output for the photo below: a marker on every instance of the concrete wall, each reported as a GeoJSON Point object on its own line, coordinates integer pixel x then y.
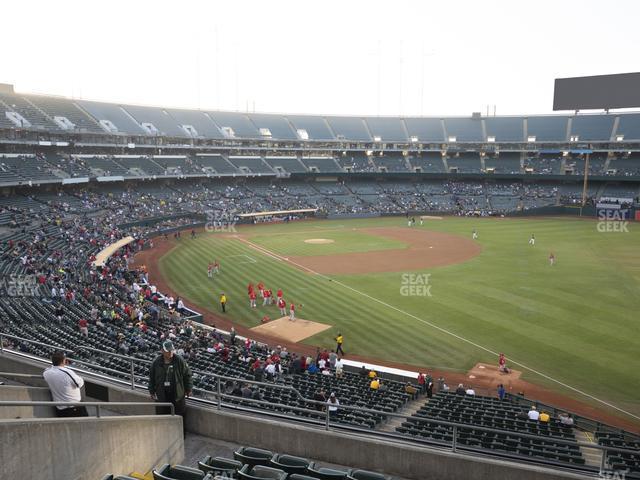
{"type": "Point", "coordinates": [357, 451]}
{"type": "Point", "coordinates": [88, 448]}
{"type": "Point", "coordinates": [25, 394]}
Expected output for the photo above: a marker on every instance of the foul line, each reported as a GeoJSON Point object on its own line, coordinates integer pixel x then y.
{"type": "Point", "coordinates": [249, 259]}
{"type": "Point", "coordinates": [588, 395]}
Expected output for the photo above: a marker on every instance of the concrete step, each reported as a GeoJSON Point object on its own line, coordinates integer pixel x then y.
{"type": "Point", "coordinates": [591, 456]}
{"type": "Point", "coordinates": [407, 410]}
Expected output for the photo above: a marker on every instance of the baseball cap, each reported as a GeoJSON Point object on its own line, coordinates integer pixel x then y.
{"type": "Point", "coordinates": [168, 346]}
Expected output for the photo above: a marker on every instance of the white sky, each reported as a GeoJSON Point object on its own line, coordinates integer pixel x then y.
{"type": "Point", "coordinates": [394, 57]}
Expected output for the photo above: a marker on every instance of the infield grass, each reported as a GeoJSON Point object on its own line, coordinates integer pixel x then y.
{"type": "Point", "coordinates": [576, 321]}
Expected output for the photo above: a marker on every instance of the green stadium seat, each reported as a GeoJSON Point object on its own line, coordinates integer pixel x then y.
{"type": "Point", "coordinates": [177, 472]}
{"type": "Point", "coordinates": [219, 465]}
{"type": "Point", "coordinates": [324, 473]}
{"type": "Point", "coordinates": [253, 456]}
{"type": "Point", "coordinates": [289, 463]}
{"type": "Point", "coordinates": [365, 475]}
{"type": "Point", "coordinates": [260, 472]}
{"type": "Point", "coordinates": [118, 477]}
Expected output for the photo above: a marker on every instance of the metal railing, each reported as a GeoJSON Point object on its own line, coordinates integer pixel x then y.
{"type": "Point", "coordinates": [323, 417]}
{"type": "Point", "coordinates": [98, 405]}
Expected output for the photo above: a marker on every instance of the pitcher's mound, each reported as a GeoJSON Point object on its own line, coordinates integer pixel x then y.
{"type": "Point", "coordinates": [490, 374]}
{"type": "Point", "coordinates": [291, 331]}
{"type": "Point", "coordinates": [318, 241]}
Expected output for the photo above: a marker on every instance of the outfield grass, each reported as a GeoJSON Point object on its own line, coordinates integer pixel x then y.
{"type": "Point", "coordinates": [576, 321]}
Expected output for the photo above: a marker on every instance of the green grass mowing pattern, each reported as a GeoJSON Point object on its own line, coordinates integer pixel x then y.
{"type": "Point", "coordinates": [575, 321]}
{"type": "Point", "coordinates": [344, 241]}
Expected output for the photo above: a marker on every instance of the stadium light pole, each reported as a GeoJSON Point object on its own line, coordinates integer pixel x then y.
{"type": "Point", "coordinates": [586, 180]}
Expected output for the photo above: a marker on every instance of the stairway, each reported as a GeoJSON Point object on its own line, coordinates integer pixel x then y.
{"type": "Point", "coordinates": [591, 456]}
{"type": "Point", "coordinates": [411, 407]}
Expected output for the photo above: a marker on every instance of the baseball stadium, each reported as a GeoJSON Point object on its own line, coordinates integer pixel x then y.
{"type": "Point", "coordinates": [363, 297]}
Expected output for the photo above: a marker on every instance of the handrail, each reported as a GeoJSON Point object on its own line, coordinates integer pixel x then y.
{"type": "Point", "coordinates": [20, 375]}
{"type": "Point", "coordinates": [25, 403]}
{"type": "Point", "coordinates": [455, 426]}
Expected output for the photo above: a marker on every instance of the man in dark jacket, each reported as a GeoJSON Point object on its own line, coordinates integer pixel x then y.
{"type": "Point", "coordinates": [170, 380]}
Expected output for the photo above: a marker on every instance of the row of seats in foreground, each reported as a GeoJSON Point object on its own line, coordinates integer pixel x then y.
{"type": "Point", "coordinates": [254, 464]}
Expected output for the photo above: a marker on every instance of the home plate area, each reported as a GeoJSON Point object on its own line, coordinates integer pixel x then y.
{"type": "Point", "coordinates": [291, 331]}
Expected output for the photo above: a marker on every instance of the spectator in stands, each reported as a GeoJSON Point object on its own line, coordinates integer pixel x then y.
{"type": "Point", "coordinates": [501, 392]}
{"type": "Point", "coordinates": [83, 326]}
{"type": "Point", "coordinates": [461, 390]}
{"type": "Point", "coordinates": [246, 391]}
{"type": "Point", "coordinates": [566, 419]}
{"type": "Point", "coordinates": [429, 385]}
{"type": "Point", "coordinates": [59, 312]}
{"type": "Point", "coordinates": [375, 384]}
{"type": "Point", "coordinates": [170, 380]}
{"type": "Point", "coordinates": [544, 417]}
{"type": "Point", "coordinates": [363, 371]}
{"type": "Point", "coordinates": [320, 397]}
{"type": "Point", "coordinates": [65, 386]}
{"type": "Point", "coordinates": [339, 368]}
{"type": "Point", "coordinates": [332, 405]}
{"type": "Point", "coordinates": [422, 382]}
{"type": "Point", "coordinates": [410, 389]}
{"type": "Point", "coordinates": [533, 413]}
{"type": "Point", "coordinates": [470, 391]}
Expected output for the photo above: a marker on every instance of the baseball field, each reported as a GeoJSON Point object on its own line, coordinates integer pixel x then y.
{"type": "Point", "coordinates": [430, 295]}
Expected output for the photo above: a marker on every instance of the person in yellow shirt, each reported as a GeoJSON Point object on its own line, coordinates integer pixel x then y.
{"type": "Point", "coordinates": [372, 374]}
{"type": "Point", "coordinates": [223, 302]}
{"type": "Point", "coordinates": [339, 341]}
{"type": "Point", "coordinates": [544, 417]}
{"type": "Point", "coordinates": [375, 383]}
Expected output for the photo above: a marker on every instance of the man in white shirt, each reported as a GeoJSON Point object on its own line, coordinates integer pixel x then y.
{"type": "Point", "coordinates": [533, 413]}
{"type": "Point", "coordinates": [65, 386]}
{"type": "Point", "coordinates": [470, 391]}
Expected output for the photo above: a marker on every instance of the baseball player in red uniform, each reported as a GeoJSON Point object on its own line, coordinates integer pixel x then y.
{"type": "Point", "coordinates": [210, 270]}
{"type": "Point", "coordinates": [252, 299]}
{"type": "Point", "coordinates": [279, 293]}
{"type": "Point", "coordinates": [216, 266]}
{"type": "Point", "coordinates": [282, 305]}
{"type": "Point", "coordinates": [261, 289]}
{"type": "Point", "coordinates": [250, 288]}
{"type": "Point", "coordinates": [292, 312]}
{"type": "Point", "coordinates": [267, 297]}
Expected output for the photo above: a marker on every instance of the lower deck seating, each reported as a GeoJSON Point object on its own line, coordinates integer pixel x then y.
{"type": "Point", "coordinates": [620, 461]}
{"type": "Point", "coordinates": [477, 411]}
